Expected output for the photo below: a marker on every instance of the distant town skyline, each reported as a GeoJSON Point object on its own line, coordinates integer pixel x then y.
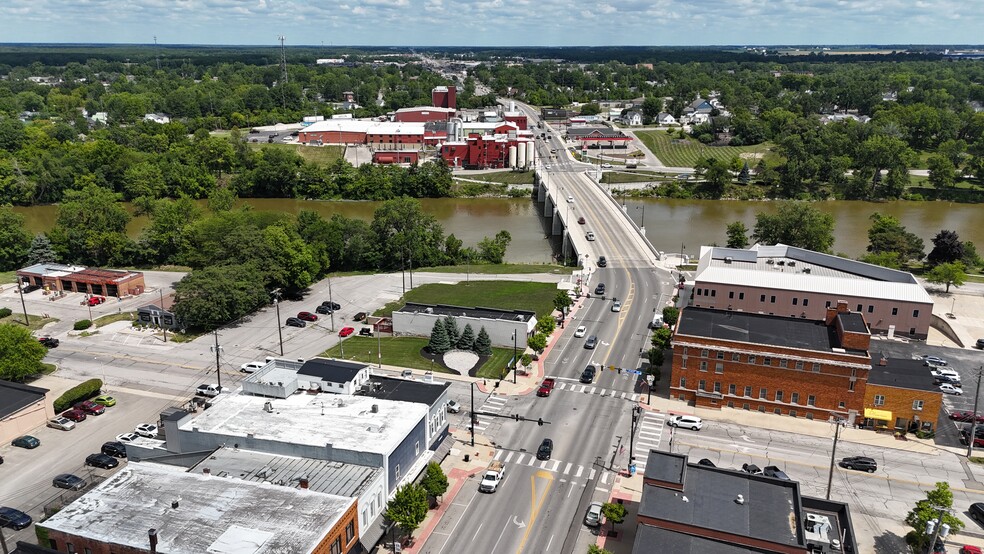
{"type": "Point", "coordinates": [493, 22]}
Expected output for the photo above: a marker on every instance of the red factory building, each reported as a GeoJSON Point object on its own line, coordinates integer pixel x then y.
{"type": "Point", "coordinates": [381, 134]}
{"type": "Point", "coordinates": [481, 151]}
{"type": "Point", "coordinates": [444, 97]}
{"type": "Point", "coordinates": [423, 114]}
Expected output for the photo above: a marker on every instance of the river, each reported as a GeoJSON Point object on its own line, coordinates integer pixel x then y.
{"type": "Point", "coordinates": [669, 223]}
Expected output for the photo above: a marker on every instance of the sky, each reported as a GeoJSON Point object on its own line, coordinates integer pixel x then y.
{"type": "Point", "coordinates": [494, 22]}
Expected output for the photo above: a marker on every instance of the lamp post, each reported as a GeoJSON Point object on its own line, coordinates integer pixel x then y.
{"type": "Point", "coordinates": [650, 378]}
{"type": "Point", "coordinates": [331, 312]}
{"type": "Point", "coordinates": [280, 332]}
{"type": "Point", "coordinates": [163, 327]}
{"type": "Point", "coordinates": [937, 528]}
{"type": "Point", "coordinates": [973, 421]}
{"type": "Point", "coordinates": [514, 356]}
{"type": "Point", "coordinates": [642, 222]}
{"type": "Point", "coordinates": [682, 249]}
{"type": "Point", "coordinates": [20, 289]}
{"type": "Point", "coordinates": [471, 415]}
{"type": "Point", "coordinates": [636, 412]}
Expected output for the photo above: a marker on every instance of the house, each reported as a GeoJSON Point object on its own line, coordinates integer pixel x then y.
{"type": "Point", "coordinates": [157, 118]}
{"type": "Point", "coordinates": [152, 314]}
{"type": "Point", "coordinates": [632, 118]}
{"type": "Point", "coordinates": [700, 106]}
{"type": "Point", "coordinates": [665, 119]}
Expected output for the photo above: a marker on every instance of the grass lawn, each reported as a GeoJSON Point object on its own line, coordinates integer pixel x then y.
{"type": "Point", "coordinates": [35, 322]}
{"type": "Point", "coordinates": [685, 153]}
{"type": "Point", "coordinates": [505, 295]}
{"type": "Point", "coordinates": [507, 177]}
{"type": "Point", "coordinates": [405, 352]}
{"type": "Point", "coordinates": [8, 276]}
{"type": "Point", "coordinates": [621, 177]}
{"type": "Point", "coordinates": [321, 155]}
{"type": "Point", "coordinates": [107, 319]}
{"type": "Point", "coordinates": [496, 269]}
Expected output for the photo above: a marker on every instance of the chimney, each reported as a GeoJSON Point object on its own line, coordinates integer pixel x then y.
{"type": "Point", "coordinates": [174, 504]}
{"type": "Point", "coordinates": [375, 408]}
{"type": "Point", "coordinates": [842, 307]}
{"type": "Point", "coordinates": [883, 361]}
{"type": "Point", "coordinates": [304, 482]}
{"type": "Point", "coordinates": [152, 535]}
{"type": "Point", "coordinates": [206, 471]}
{"type": "Point", "coordinates": [268, 407]}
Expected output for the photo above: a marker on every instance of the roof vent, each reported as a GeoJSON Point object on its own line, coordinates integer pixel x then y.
{"type": "Point", "coordinates": [206, 471]}
{"type": "Point", "coordinates": [806, 270]}
{"type": "Point", "coordinates": [375, 408]}
{"type": "Point", "coordinates": [268, 407]}
{"type": "Point", "coordinates": [792, 264]}
{"type": "Point", "coordinates": [728, 259]}
{"type": "Point", "coordinates": [770, 261]}
{"type": "Point", "coordinates": [174, 504]}
{"type": "Point", "coordinates": [781, 262]}
{"type": "Point", "coordinates": [429, 310]}
{"type": "Point", "coordinates": [740, 499]}
{"type": "Point", "coordinates": [519, 317]}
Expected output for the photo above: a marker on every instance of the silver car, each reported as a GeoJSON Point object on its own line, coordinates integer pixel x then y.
{"type": "Point", "coordinates": [593, 516]}
{"type": "Point", "coordinates": [62, 423]}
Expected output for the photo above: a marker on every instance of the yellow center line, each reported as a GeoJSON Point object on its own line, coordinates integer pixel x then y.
{"type": "Point", "coordinates": [534, 505]}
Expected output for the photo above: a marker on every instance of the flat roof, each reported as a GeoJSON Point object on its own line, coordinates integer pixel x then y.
{"type": "Point", "coordinates": [212, 514]}
{"type": "Point", "coordinates": [16, 396]}
{"type": "Point", "coordinates": [602, 132]}
{"type": "Point", "coordinates": [349, 480]}
{"type": "Point", "coordinates": [366, 126]}
{"type": "Point", "coordinates": [51, 270]}
{"type": "Point", "coordinates": [681, 543]}
{"type": "Point", "coordinates": [344, 421]}
{"type": "Point", "coordinates": [405, 390]}
{"type": "Point", "coordinates": [902, 373]}
{"type": "Point", "coordinates": [336, 371]}
{"type": "Point", "coordinates": [460, 311]}
{"type": "Point", "coordinates": [785, 332]}
{"type": "Point", "coordinates": [426, 109]}
{"type": "Point", "coordinates": [852, 322]}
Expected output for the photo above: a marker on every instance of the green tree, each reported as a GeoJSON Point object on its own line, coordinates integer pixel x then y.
{"type": "Point", "coordinates": [737, 235]}
{"type": "Point", "coordinates": [90, 227]}
{"type": "Point", "coordinates": [561, 301]}
{"type": "Point", "coordinates": [887, 234]}
{"type": "Point", "coordinates": [670, 315]}
{"type": "Point", "coordinates": [405, 235]}
{"type": "Point", "coordinates": [971, 259]}
{"type": "Point", "coordinates": [15, 242]}
{"type": "Point", "coordinates": [929, 510]}
{"type": "Point", "coordinates": [41, 251]}
{"type": "Point", "coordinates": [439, 342]}
{"type": "Point", "coordinates": [947, 248]}
{"type": "Point", "coordinates": [796, 224]}
{"type": "Point", "coordinates": [745, 176]}
{"type": "Point", "coordinates": [885, 259]}
{"type": "Point", "coordinates": [435, 482]}
{"type": "Point", "coordinates": [614, 512]}
{"type": "Point", "coordinates": [538, 342]}
{"type": "Point", "coordinates": [213, 296]}
{"type": "Point", "coordinates": [483, 344]}
{"type": "Point", "coordinates": [451, 326]}
{"type": "Point", "coordinates": [20, 353]}
{"type": "Point", "coordinates": [661, 338]}
{"type": "Point", "coordinates": [594, 548]}
{"type": "Point", "coordinates": [221, 200]}
{"type": "Point", "coordinates": [591, 108]}
{"type": "Point", "coordinates": [656, 357]}
{"type": "Point", "coordinates": [467, 340]}
{"type": "Point", "coordinates": [494, 250]}
{"type": "Point", "coordinates": [949, 274]}
{"type": "Point", "coordinates": [942, 173]}
{"type": "Point", "coordinates": [546, 326]}
{"type": "Point", "coordinates": [408, 508]}
{"type": "Point", "coordinates": [164, 239]}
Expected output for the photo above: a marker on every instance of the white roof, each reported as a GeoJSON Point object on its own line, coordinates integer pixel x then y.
{"type": "Point", "coordinates": [345, 422]}
{"type": "Point", "coordinates": [213, 514]}
{"type": "Point", "coordinates": [425, 109]}
{"type": "Point", "coordinates": [367, 126]}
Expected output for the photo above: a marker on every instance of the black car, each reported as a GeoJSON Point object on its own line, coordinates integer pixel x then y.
{"type": "Point", "coordinates": [775, 473]}
{"type": "Point", "coordinates": [600, 289]}
{"type": "Point", "coordinates": [115, 449]}
{"type": "Point", "coordinates": [706, 463]}
{"type": "Point", "coordinates": [68, 481]}
{"type": "Point", "coordinates": [365, 331]}
{"type": "Point", "coordinates": [103, 461]}
{"type": "Point", "coordinates": [859, 463]}
{"type": "Point", "coordinates": [14, 519]}
{"type": "Point", "coordinates": [360, 316]}
{"type": "Point", "coordinates": [751, 468]}
{"type": "Point", "coordinates": [980, 343]}
{"type": "Point", "coordinates": [588, 375]}
{"type": "Point", "coordinates": [324, 310]}
{"type": "Point", "coordinates": [977, 512]}
{"type": "Point", "coordinates": [545, 450]}
{"type": "Point", "coordinates": [602, 261]}
{"type": "Point", "coordinates": [48, 342]}
{"type": "Point", "coordinates": [295, 322]}
{"type": "Point", "coordinates": [332, 305]}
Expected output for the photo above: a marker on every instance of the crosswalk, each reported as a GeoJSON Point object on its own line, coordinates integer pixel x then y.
{"type": "Point", "coordinates": [588, 389]}
{"type": "Point", "coordinates": [570, 469]}
{"type": "Point", "coordinates": [649, 433]}
{"type": "Point", "coordinates": [493, 404]}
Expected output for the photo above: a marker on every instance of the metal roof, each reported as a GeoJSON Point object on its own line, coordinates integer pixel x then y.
{"type": "Point", "coordinates": [901, 373]}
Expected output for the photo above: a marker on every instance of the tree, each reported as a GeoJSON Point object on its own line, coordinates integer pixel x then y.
{"type": "Point", "coordinates": [946, 248]}
{"type": "Point", "coordinates": [656, 357]}
{"type": "Point", "coordinates": [41, 251]}
{"type": "Point", "coordinates": [929, 510]}
{"type": "Point", "coordinates": [90, 227]}
{"type": "Point", "coordinates": [434, 480]}
{"type": "Point", "coordinates": [537, 342]}
{"type": "Point", "coordinates": [737, 235]}
{"type": "Point", "coordinates": [451, 326]}
{"type": "Point", "coordinates": [591, 108]}
{"type": "Point", "coordinates": [594, 548]}
{"type": "Point", "coordinates": [440, 342]}
{"type": "Point", "coordinates": [546, 326]}
{"type": "Point", "coordinates": [207, 298]}
{"type": "Point", "coordinates": [467, 339]}
{"type": "Point", "coordinates": [948, 274]}
{"type": "Point", "coordinates": [408, 508]}
{"type": "Point", "coordinates": [614, 512]}
{"type": "Point", "coordinates": [796, 224]}
{"type": "Point", "coordinates": [884, 259]}
{"type": "Point", "coordinates": [661, 338]}
{"type": "Point", "coordinates": [561, 301]}
{"type": "Point", "coordinates": [483, 344]}
{"type": "Point", "coordinates": [494, 250]}
{"type": "Point", "coordinates": [670, 315]}
{"type": "Point", "coordinates": [744, 176]}
{"type": "Point", "coordinates": [15, 242]}
{"type": "Point", "coordinates": [20, 353]}
{"type": "Point", "coordinates": [888, 235]}
{"type": "Point", "coordinates": [942, 173]}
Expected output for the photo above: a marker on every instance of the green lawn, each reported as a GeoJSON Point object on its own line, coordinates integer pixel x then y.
{"type": "Point", "coordinates": [496, 269]}
{"type": "Point", "coordinates": [35, 321]}
{"type": "Point", "coordinates": [8, 276]}
{"type": "Point", "coordinates": [110, 318]}
{"type": "Point", "coordinates": [505, 295]}
{"type": "Point", "coordinates": [507, 177]}
{"type": "Point", "coordinates": [405, 352]}
{"type": "Point", "coordinates": [685, 153]}
{"type": "Point", "coordinates": [321, 155]}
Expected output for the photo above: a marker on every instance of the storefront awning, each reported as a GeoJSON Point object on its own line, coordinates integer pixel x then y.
{"type": "Point", "coordinates": [882, 415]}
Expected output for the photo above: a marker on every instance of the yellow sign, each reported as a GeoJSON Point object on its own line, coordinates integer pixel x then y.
{"type": "Point", "coordinates": [882, 415]}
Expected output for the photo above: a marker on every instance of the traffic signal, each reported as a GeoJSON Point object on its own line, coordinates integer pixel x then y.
{"type": "Point", "coordinates": [516, 417]}
{"type": "Point", "coordinates": [539, 422]}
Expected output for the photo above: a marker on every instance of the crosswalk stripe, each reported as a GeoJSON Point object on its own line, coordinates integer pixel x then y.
{"type": "Point", "coordinates": [498, 454]}
{"type": "Point", "coordinates": [496, 399]}
{"type": "Point", "coordinates": [603, 391]}
{"type": "Point", "coordinates": [508, 457]}
{"type": "Point", "coordinates": [604, 478]}
{"type": "Point", "coordinates": [580, 470]}
{"type": "Point", "coordinates": [519, 457]}
{"type": "Point", "coordinates": [592, 390]}
{"type": "Point", "coordinates": [591, 475]}
{"type": "Point", "coordinates": [568, 468]}
{"type": "Point", "coordinates": [532, 461]}
{"type": "Point", "coordinates": [555, 466]}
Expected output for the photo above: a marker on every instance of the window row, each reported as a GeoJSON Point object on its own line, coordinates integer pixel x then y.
{"type": "Point", "coordinates": [917, 405]}
{"type": "Point", "coordinates": [763, 393]}
{"type": "Point", "coordinates": [746, 358]}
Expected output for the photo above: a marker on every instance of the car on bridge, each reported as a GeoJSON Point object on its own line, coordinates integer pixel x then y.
{"type": "Point", "coordinates": [590, 235]}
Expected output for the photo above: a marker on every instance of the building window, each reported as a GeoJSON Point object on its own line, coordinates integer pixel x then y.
{"type": "Point", "coordinates": [850, 385]}
{"type": "Point", "coordinates": [811, 400]}
{"type": "Point", "coordinates": [762, 298]}
{"type": "Point", "coordinates": [416, 448]}
{"type": "Point", "coordinates": [828, 304]}
{"type": "Point", "coordinates": [917, 405]}
{"type": "Point", "coordinates": [912, 330]}
{"type": "Point", "coordinates": [795, 301]}
{"type": "Point", "coordinates": [87, 550]}
{"type": "Point", "coordinates": [350, 531]}
{"type": "Point", "coordinates": [718, 367]}
{"type": "Point", "coordinates": [767, 360]}
{"type": "Point", "coordinates": [895, 311]}
{"type": "Point", "coordinates": [799, 364]}
{"type": "Point", "coordinates": [741, 296]}
{"type": "Point", "coordinates": [713, 292]}
{"type": "Point", "coordinates": [751, 359]}
{"type": "Point", "coordinates": [762, 408]}
{"type": "Point", "coordinates": [772, 300]}
{"type": "Point", "coordinates": [879, 400]}
{"type": "Point", "coordinates": [731, 404]}
{"type": "Point", "coordinates": [683, 382]}
{"type": "Point", "coordinates": [763, 393]}
{"type": "Point", "coordinates": [704, 353]}
{"type": "Point", "coordinates": [699, 292]}
{"type": "Point", "coordinates": [720, 354]}
{"type": "Point", "coordinates": [748, 391]}
{"type": "Point", "coordinates": [683, 362]}
{"type": "Point", "coordinates": [731, 294]}
{"type": "Point", "coordinates": [860, 306]}
{"type": "Point", "coordinates": [806, 302]}
{"type": "Point", "coordinates": [397, 472]}
{"type": "Point", "coordinates": [840, 404]}
{"type": "Point", "coordinates": [336, 546]}
{"type": "Point", "coordinates": [745, 406]}
{"type": "Point", "coordinates": [717, 386]}
{"type": "Point", "coordinates": [777, 411]}
{"type": "Point", "coordinates": [701, 384]}
{"type": "Point", "coordinates": [735, 357]}
{"type": "Point", "coordinates": [915, 313]}
{"type": "Point", "coordinates": [732, 389]}
{"type": "Point", "coordinates": [792, 413]}
{"type": "Point", "coordinates": [816, 367]}
{"type": "Point", "coordinates": [794, 398]}
{"type": "Point", "coordinates": [703, 366]}
{"type": "Point", "coordinates": [871, 308]}
{"type": "Point", "coordinates": [783, 362]}
{"type": "Point", "coordinates": [809, 415]}
{"type": "Point", "coordinates": [778, 396]}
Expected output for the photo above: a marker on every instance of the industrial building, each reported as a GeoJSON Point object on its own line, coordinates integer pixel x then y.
{"type": "Point", "coordinates": [418, 320]}
{"type": "Point", "coordinates": [444, 97]}
{"type": "Point", "coordinates": [422, 114]}
{"type": "Point", "coordinates": [393, 135]}
{"type": "Point", "coordinates": [67, 278]}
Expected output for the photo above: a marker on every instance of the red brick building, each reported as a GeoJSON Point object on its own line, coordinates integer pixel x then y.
{"type": "Point", "coordinates": [444, 97]}
{"type": "Point", "coordinates": [485, 152]}
{"type": "Point", "coordinates": [422, 114]}
{"type": "Point", "coordinates": [395, 156]}
{"type": "Point", "coordinates": [381, 134]}
{"type": "Point", "coordinates": [101, 282]}
{"type": "Point", "coordinates": [901, 395]}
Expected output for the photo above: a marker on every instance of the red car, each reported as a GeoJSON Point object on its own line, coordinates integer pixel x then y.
{"type": "Point", "coordinates": [580, 220]}
{"type": "Point", "coordinates": [545, 387]}
{"type": "Point", "coordinates": [966, 416]}
{"type": "Point", "coordinates": [90, 407]}
{"type": "Point", "coordinates": [967, 549]}
{"type": "Point", "coordinates": [74, 415]}
{"type": "Point", "coordinates": [96, 300]}
{"type": "Point", "coordinates": [346, 331]}
{"type": "Point", "coordinates": [307, 316]}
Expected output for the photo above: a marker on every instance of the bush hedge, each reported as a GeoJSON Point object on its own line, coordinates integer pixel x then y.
{"type": "Point", "coordinates": [82, 391]}
{"type": "Point", "coordinates": [82, 324]}
{"type": "Point", "coordinates": [4, 312]}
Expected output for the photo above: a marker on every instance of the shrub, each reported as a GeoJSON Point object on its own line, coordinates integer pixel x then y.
{"type": "Point", "coordinates": [5, 312]}
{"type": "Point", "coordinates": [82, 324]}
{"type": "Point", "coordinates": [82, 391]}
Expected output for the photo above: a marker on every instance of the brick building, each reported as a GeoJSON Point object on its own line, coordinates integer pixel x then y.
{"type": "Point", "coordinates": [787, 281]}
{"type": "Point", "coordinates": [395, 156]}
{"type": "Point", "coordinates": [392, 135]}
{"type": "Point", "coordinates": [488, 152]}
{"type": "Point", "coordinates": [782, 365]}
{"type": "Point", "coordinates": [901, 395]}
{"type": "Point", "coordinates": [444, 97]}
{"type": "Point", "coordinates": [102, 282]}
{"type": "Point", "coordinates": [423, 114]}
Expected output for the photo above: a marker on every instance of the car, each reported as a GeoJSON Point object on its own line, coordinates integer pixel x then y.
{"type": "Point", "coordinates": [591, 342]}
{"type": "Point", "coordinates": [453, 407]}
{"type": "Point", "coordinates": [588, 375]}
{"type": "Point", "coordinates": [68, 481]}
{"type": "Point", "coordinates": [102, 461]}
{"type": "Point", "coordinates": [250, 367]}
{"type": "Point", "coordinates": [592, 518]}
{"type": "Point", "coordinates": [775, 473]}
{"type": "Point", "coordinates": [606, 165]}
{"type": "Point", "coordinates": [26, 441]}
{"type": "Point", "coordinates": [961, 415]}
{"type": "Point", "coordinates": [323, 310]}
{"type": "Point", "coordinates": [581, 221]}
{"type": "Point", "coordinates": [938, 371]}
{"type": "Point", "coordinates": [955, 381]}
{"type": "Point", "coordinates": [570, 199]}
{"type": "Point", "coordinates": [706, 463]}
{"type": "Point", "coordinates": [75, 415]}
{"type": "Point", "coordinates": [859, 463]}
{"type": "Point", "coordinates": [12, 518]}
{"type": "Point", "coordinates": [295, 322]}
{"type": "Point", "coordinates": [976, 512]}
{"type": "Point", "coordinates": [209, 389]}
{"type": "Point", "coordinates": [951, 389]}
{"type": "Point", "coordinates": [127, 438]}
{"type": "Point", "coordinates": [545, 450]}
{"type": "Point", "coordinates": [48, 342]}
{"type": "Point", "coordinates": [307, 316]}
{"type": "Point", "coordinates": [334, 306]}
{"type": "Point", "coordinates": [980, 343]}
{"type": "Point", "coordinates": [600, 289]}
{"type": "Point", "coordinates": [616, 306]}
{"type": "Point", "coordinates": [365, 332]}
{"type": "Point", "coordinates": [360, 316]}
{"type": "Point", "coordinates": [114, 448]}
{"type": "Point", "coordinates": [968, 549]}
{"type": "Point", "coordinates": [61, 423]}
{"type": "Point", "coordinates": [580, 331]}
{"type": "Point", "coordinates": [546, 167]}
{"type": "Point", "coordinates": [105, 400]}
{"type": "Point", "coordinates": [683, 176]}
{"type": "Point", "coordinates": [546, 387]}
{"type": "Point", "coordinates": [346, 331]}
{"type": "Point", "coordinates": [96, 300]}
{"type": "Point", "coordinates": [148, 430]}
{"type": "Point", "coordinates": [751, 468]}
{"type": "Point", "coordinates": [934, 360]}
{"type": "Point", "coordinates": [602, 261]}
{"type": "Point", "coordinates": [90, 407]}
{"type": "Point", "coordinates": [590, 235]}
{"type": "Point", "coordinates": [688, 421]}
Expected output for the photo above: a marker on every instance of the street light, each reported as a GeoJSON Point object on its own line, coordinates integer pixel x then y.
{"type": "Point", "coordinates": [471, 416]}
{"type": "Point", "coordinates": [642, 223]}
{"type": "Point", "coordinates": [650, 378]}
{"type": "Point", "coordinates": [514, 356]}
{"type": "Point", "coordinates": [280, 332]}
{"type": "Point", "coordinates": [937, 528]}
{"type": "Point", "coordinates": [331, 312]}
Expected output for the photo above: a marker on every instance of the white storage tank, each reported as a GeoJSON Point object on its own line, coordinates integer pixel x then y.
{"type": "Point", "coordinates": [530, 153]}
{"type": "Point", "coordinates": [521, 155]}
{"type": "Point", "coordinates": [512, 156]}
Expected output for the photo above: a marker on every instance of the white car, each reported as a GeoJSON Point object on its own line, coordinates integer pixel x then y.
{"type": "Point", "coordinates": [580, 331]}
{"type": "Point", "coordinates": [688, 421]}
{"type": "Point", "coordinates": [62, 423]}
{"type": "Point", "coordinates": [148, 430]}
{"type": "Point", "coordinates": [617, 306]}
{"type": "Point", "coordinates": [606, 166]}
{"type": "Point", "coordinates": [453, 407]}
{"type": "Point", "coordinates": [127, 438]}
{"type": "Point", "coordinates": [590, 235]}
{"type": "Point", "coordinates": [944, 372]}
{"type": "Point", "coordinates": [950, 389]}
{"type": "Point", "coordinates": [570, 199]}
{"type": "Point", "coordinates": [250, 367]}
{"type": "Point", "coordinates": [593, 516]}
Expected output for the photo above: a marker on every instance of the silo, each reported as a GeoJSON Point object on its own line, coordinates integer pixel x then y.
{"type": "Point", "coordinates": [512, 156]}
{"type": "Point", "coordinates": [530, 153]}
{"type": "Point", "coordinates": [520, 155]}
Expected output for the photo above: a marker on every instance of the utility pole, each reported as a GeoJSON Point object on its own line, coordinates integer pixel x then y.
{"type": "Point", "coordinates": [833, 455]}
{"type": "Point", "coordinates": [937, 529]}
{"type": "Point", "coordinates": [973, 421]}
{"type": "Point", "coordinates": [20, 289]}
{"type": "Point", "coordinates": [636, 412]}
{"type": "Point", "coordinates": [162, 291]}
{"type": "Point", "coordinates": [157, 54]}
{"type": "Point", "coordinates": [283, 68]}
{"type": "Point", "coordinates": [471, 416]}
{"type": "Point", "coordinates": [331, 313]}
{"type": "Point", "coordinates": [218, 369]}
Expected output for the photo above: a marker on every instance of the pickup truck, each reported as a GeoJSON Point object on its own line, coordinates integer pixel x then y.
{"type": "Point", "coordinates": [495, 472]}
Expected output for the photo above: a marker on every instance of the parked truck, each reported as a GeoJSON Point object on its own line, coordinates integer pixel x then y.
{"type": "Point", "coordinates": [495, 472]}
